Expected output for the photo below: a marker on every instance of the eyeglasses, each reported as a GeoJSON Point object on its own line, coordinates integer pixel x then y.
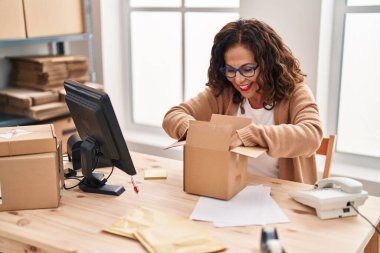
{"type": "Point", "coordinates": [246, 71]}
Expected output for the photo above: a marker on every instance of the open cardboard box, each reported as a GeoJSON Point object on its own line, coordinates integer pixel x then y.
{"type": "Point", "coordinates": [31, 174]}
{"type": "Point", "coordinates": [210, 168]}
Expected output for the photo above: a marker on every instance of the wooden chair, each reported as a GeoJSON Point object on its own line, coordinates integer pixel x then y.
{"type": "Point", "coordinates": [327, 149]}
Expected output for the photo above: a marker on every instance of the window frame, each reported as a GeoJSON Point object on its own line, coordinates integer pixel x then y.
{"type": "Point", "coordinates": [340, 10]}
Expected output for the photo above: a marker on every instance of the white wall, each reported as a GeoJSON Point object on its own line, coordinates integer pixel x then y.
{"type": "Point", "coordinates": [324, 62]}
{"type": "Point", "coordinates": [297, 22]}
{"type": "Point", "coordinates": [113, 55]}
{"type": "Point", "coordinates": [81, 47]}
{"type": "Point", "coordinates": [306, 27]}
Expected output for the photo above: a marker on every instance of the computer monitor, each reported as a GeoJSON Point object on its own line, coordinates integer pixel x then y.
{"type": "Point", "coordinates": [97, 125]}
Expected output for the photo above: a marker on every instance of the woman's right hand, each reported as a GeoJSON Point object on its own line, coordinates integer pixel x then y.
{"type": "Point", "coordinates": [235, 141]}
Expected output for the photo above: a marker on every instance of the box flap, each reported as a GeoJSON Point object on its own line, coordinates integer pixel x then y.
{"type": "Point", "coordinates": [176, 144]}
{"type": "Point", "coordinates": [236, 122]}
{"type": "Point", "coordinates": [180, 142]}
{"type": "Point", "coordinates": [249, 151]}
{"type": "Point", "coordinates": [209, 135]}
{"type": "Point", "coordinates": [27, 140]}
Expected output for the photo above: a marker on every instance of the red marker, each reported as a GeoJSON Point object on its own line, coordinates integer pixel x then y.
{"type": "Point", "coordinates": [135, 188]}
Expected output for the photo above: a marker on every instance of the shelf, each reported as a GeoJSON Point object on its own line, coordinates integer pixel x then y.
{"type": "Point", "coordinates": [8, 120]}
{"type": "Point", "coordinates": [55, 39]}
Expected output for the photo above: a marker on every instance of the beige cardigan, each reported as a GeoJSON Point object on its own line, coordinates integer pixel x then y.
{"type": "Point", "coordinates": [293, 139]}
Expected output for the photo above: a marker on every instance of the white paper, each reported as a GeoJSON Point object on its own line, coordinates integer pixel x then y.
{"type": "Point", "coordinates": [252, 206]}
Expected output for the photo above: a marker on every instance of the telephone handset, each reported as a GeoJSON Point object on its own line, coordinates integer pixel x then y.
{"type": "Point", "coordinates": [346, 184]}
{"type": "Point", "coordinates": [333, 197]}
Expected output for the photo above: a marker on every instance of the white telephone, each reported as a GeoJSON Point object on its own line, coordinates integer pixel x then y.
{"type": "Point", "coordinates": [333, 197]}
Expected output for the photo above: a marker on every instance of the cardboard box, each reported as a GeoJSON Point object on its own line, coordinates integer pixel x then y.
{"type": "Point", "coordinates": [12, 20]}
{"type": "Point", "coordinates": [26, 98]}
{"type": "Point", "coordinates": [47, 72]}
{"type": "Point", "coordinates": [30, 168]}
{"type": "Point", "coordinates": [64, 128]}
{"type": "Point", "coordinates": [210, 168]}
{"type": "Point", "coordinates": [53, 17]}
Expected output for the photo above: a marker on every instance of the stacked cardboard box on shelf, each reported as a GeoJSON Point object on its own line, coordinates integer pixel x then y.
{"type": "Point", "coordinates": [37, 81]}
{"type": "Point", "coordinates": [47, 72]}
{"type": "Point", "coordinates": [39, 105]}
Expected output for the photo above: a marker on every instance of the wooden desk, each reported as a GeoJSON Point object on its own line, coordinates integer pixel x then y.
{"type": "Point", "coordinates": [76, 225]}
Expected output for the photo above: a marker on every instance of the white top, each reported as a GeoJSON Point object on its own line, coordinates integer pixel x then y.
{"type": "Point", "coordinates": [263, 165]}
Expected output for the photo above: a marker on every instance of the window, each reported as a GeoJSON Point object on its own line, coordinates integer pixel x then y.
{"type": "Point", "coordinates": [170, 52]}
{"type": "Point", "coordinates": [357, 111]}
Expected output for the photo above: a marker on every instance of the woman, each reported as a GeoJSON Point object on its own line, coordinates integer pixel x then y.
{"type": "Point", "coordinates": [252, 73]}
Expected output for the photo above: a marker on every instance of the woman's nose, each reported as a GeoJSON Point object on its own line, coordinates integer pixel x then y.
{"type": "Point", "coordinates": [239, 77]}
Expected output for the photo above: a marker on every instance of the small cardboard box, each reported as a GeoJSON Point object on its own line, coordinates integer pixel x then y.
{"type": "Point", "coordinates": [210, 168]}
{"type": "Point", "coordinates": [12, 20]}
{"type": "Point", "coordinates": [54, 17]}
{"type": "Point", "coordinates": [64, 128]}
{"type": "Point", "coordinates": [30, 168]}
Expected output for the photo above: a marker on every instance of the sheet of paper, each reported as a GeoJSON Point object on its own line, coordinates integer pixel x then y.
{"type": "Point", "coordinates": [252, 206]}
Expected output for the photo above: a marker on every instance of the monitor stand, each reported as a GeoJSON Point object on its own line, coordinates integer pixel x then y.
{"type": "Point", "coordinates": [107, 189]}
{"type": "Point", "coordinates": [94, 182]}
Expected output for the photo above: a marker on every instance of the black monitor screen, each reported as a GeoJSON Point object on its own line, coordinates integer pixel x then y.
{"type": "Point", "coordinates": [99, 129]}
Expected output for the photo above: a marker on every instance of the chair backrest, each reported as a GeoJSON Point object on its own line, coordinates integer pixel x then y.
{"type": "Point", "coordinates": [327, 149]}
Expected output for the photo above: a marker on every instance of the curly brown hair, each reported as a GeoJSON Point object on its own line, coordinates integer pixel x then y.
{"type": "Point", "coordinates": [279, 69]}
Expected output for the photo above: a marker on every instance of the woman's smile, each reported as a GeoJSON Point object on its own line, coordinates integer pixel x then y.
{"type": "Point", "coordinates": [245, 87]}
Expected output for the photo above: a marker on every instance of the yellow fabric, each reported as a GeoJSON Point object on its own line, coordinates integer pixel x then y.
{"type": "Point", "coordinates": [159, 232]}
